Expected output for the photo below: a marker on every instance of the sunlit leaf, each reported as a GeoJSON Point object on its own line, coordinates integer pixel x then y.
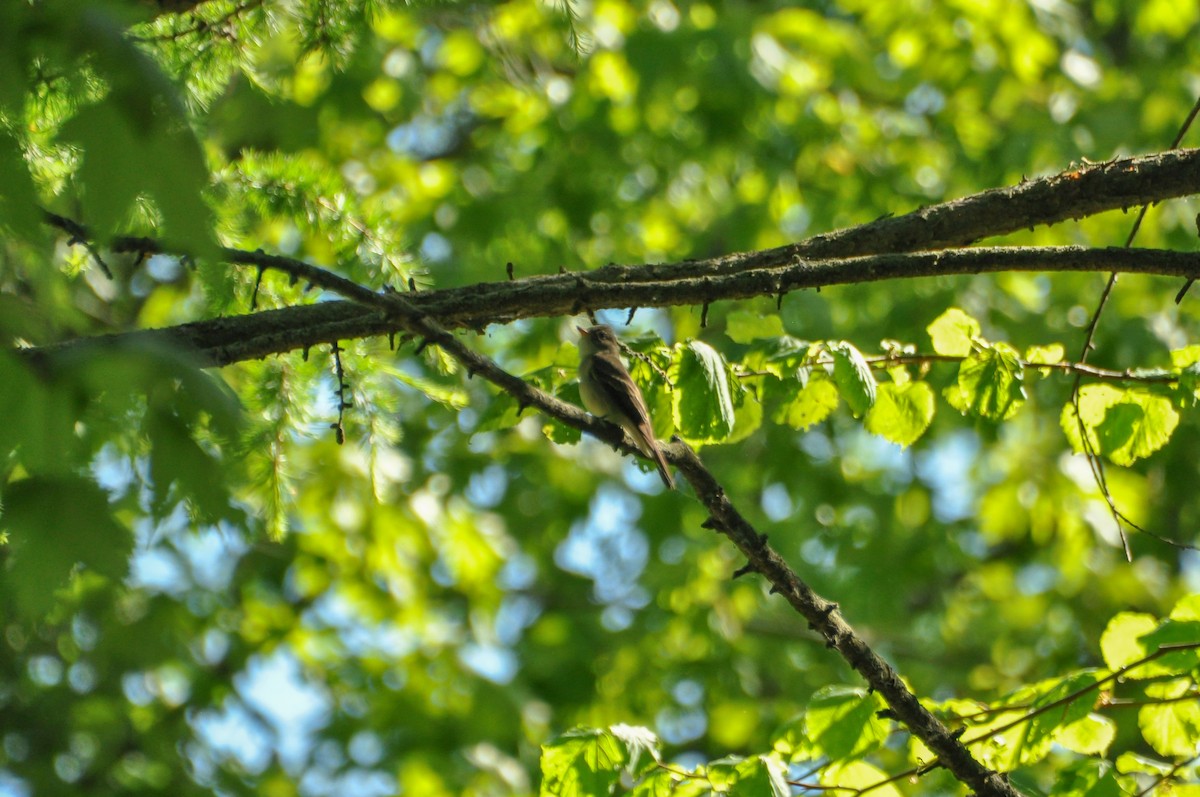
{"type": "Point", "coordinates": [1122, 425]}
{"type": "Point", "coordinates": [844, 723]}
{"type": "Point", "coordinates": [989, 384]}
{"type": "Point", "coordinates": [1172, 726]}
{"type": "Point", "coordinates": [853, 376]}
{"type": "Point", "coordinates": [583, 762]}
{"type": "Point", "coordinates": [704, 405]}
{"type": "Point", "coordinates": [953, 333]}
{"type": "Point", "coordinates": [902, 412]}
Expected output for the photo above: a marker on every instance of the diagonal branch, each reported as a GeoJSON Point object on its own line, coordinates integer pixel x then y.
{"type": "Point", "coordinates": [822, 614]}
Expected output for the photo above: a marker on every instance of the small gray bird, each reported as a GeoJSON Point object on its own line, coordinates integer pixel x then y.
{"type": "Point", "coordinates": [609, 392]}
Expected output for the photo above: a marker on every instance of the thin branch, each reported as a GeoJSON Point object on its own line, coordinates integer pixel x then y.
{"type": "Point", "coordinates": [822, 614]}
{"type": "Point", "coordinates": [1162, 650]}
{"type": "Point", "coordinates": [1139, 376]}
{"type": "Point", "coordinates": [1094, 462]}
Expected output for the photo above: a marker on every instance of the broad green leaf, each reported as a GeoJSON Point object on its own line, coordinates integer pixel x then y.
{"type": "Point", "coordinates": [1187, 608]}
{"type": "Point", "coordinates": [1091, 735]}
{"type": "Point", "coordinates": [1189, 383]}
{"type": "Point", "coordinates": [1170, 634]}
{"type": "Point", "coordinates": [761, 776]}
{"type": "Point", "coordinates": [901, 413]}
{"type": "Point", "coordinates": [704, 405]}
{"type": "Point", "coordinates": [1172, 728]}
{"type": "Point", "coordinates": [989, 384]}
{"type": "Point", "coordinates": [747, 413]}
{"type": "Point", "coordinates": [757, 776]}
{"type": "Point", "coordinates": [640, 743]}
{"type": "Point", "coordinates": [554, 429]}
{"type": "Point", "coordinates": [1045, 728]}
{"type": "Point", "coordinates": [746, 326]}
{"type": "Point", "coordinates": [843, 722]}
{"type": "Point", "coordinates": [1132, 762]}
{"type": "Point", "coordinates": [45, 438]}
{"type": "Point", "coordinates": [53, 524]}
{"type": "Point", "coordinates": [953, 333]}
{"type": "Point", "coordinates": [668, 783]}
{"type": "Point", "coordinates": [1122, 425]}
{"type": "Point", "coordinates": [1121, 641]}
{"type": "Point", "coordinates": [176, 459]}
{"type": "Point", "coordinates": [723, 773]}
{"type": "Point", "coordinates": [859, 776]}
{"type": "Point", "coordinates": [501, 412]}
{"type": "Point", "coordinates": [802, 407]}
{"type": "Point", "coordinates": [1087, 778]}
{"type": "Point", "coordinates": [18, 197]}
{"type": "Point", "coordinates": [1045, 355]}
{"type": "Point", "coordinates": [1187, 356]}
{"type": "Point", "coordinates": [853, 376]}
{"type": "Point", "coordinates": [584, 762]}
{"type": "Point", "coordinates": [136, 141]}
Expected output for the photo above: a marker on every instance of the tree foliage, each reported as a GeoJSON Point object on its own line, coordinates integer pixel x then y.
{"type": "Point", "coordinates": [290, 499]}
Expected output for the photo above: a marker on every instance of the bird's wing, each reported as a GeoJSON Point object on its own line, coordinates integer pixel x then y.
{"type": "Point", "coordinates": [609, 372]}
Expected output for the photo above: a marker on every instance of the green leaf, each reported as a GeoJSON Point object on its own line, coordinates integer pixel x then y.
{"type": "Point", "coordinates": [1171, 728]}
{"type": "Point", "coordinates": [843, 722]}
{"type": "Point", "coordinates": [136, 141]}
{"type": "Point", "coordinates": [1122, 425]}
{"type": "Point", "coordinates": [501, 412]}
{"type": "Point", "coordinates": [667, 783]}
{"type": "Point", "coordinates": [802, 407]}
{"type": "Point", "coordinates": [176, 459]}
{"type": "Point", "coordinates": [853, 376]}
{"type": "Point", "coordinates": [902, 412]}
{"type": "Point", "coordinates": [953, 333]}
{"type": "Point", "coordinates": [18, 199]}
{"type": "Point", "coordinates": [53, 524]}
{"type": "Point", "coordinates": [1121, 643]}
{"type": "Point", "coordinates": [747, 413]}
{"type": "Point", "coordinates": [761, 776]}
{"type": "Point", "coordinates": [746, 326]}
{"type": "Point", "coordinates": [639, 743]}
{"type": "Point", "coordinates": [1091, 735]}
{"type": "Point", "coordinates": [989, 384]}
{"type": "Point", "coordinates": [1087, 778]}
{"type": "Point", "coordinates": [1045, 355]}
{"type": "Point", "coordinates": [48, 408]}
{"type": "Point", "coordinates": [555, 430]}
{"type": "Point", "coordinates": [860, 776]}
{"type": "Point", "coordinates": [1185, 357]}
{"type": "Point", "coordinates": [1189, 384]}
{"type": "Point", "coordinates": [583, 762]}
{"type": "Point", "coordinates": [703, 396]}
{"type": "Point", "coordinates": [1045, 728]}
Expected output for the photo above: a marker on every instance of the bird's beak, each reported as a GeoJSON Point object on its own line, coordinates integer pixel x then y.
{"type": "Point", "coordinates": [582, 331]}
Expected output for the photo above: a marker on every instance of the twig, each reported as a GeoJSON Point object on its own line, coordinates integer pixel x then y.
{"type": "Point", "coordinates": [822, 614]}
{"type": "Point", "coordinates": [1094, 462]}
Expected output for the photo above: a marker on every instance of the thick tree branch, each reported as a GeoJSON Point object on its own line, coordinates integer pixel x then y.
{"type": "Point", "coordinates": [223, 341]}
{"type": "Point", "coordinates": [814, 263]}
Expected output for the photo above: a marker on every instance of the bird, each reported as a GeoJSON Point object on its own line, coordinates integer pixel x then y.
{"type": "Point", "coordinates": [610, 393]}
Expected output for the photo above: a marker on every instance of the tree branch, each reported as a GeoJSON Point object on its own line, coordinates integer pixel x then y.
{"type": "Point", "coordinates": [821, 614]}
{"type": "Point", "coordinates": [223, 341]}
{"type": "Point", "coordinates": [816, 262]}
